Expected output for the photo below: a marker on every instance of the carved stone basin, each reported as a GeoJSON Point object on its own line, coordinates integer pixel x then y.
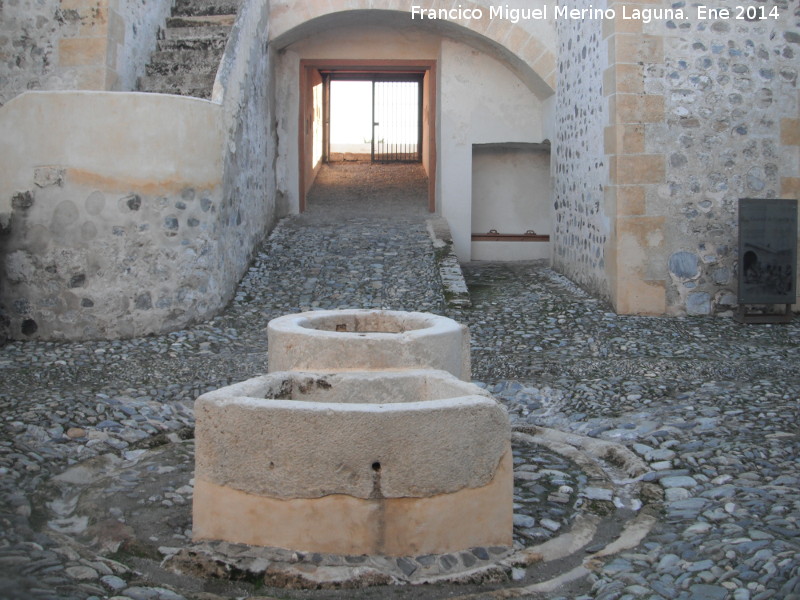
{"type": "Point", "coordinates": [400, 463]}
{"type": "Point", "coordinates": [339, 340]}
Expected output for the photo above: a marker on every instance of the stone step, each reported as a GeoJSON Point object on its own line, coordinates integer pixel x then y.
{"type": "Point", "coordinates": [208, 32]}
{"type": "Point", "coordinates": [192, 84]}
{"type": "Point", "coordinates": [212, 44]}
{"type": "Point", "coordinates": [184, 61]}
{"type": "Point", "coordinates": [187, 58]}
{"type": "Point", "coordinates": [201, 21]}
{"type": "Point", "coordinates": [205, 7]}
{"type": "Point", "coordinates": [204, 93]}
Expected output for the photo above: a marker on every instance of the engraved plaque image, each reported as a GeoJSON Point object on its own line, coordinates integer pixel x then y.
{"type": "Point", "coordinates": [767, 251]}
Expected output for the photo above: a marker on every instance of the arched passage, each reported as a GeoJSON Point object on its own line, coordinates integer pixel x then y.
{"type": "Point", "coordinates": [315, 74]}
{"type": "Point", "coordinates": [476, 92]}
{"type": "Point", "coordinates": [527, 47]}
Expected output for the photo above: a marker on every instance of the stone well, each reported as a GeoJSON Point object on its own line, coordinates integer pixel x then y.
{"type": "Point", "coordinates": [399, 463]}
{"type": "Point", "coordinates": [339, 340]}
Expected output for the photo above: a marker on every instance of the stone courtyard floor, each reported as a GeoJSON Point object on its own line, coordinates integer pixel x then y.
{"type": "Point", "coordinates": [711, 405]}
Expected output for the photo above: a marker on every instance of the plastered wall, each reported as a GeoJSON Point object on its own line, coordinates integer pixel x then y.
{"type": "Point", "coordinates": [511, 193]}
{"type": "Point", "coordinates": [479, 100]}
{"type": "Point", "coordinates": [482, 102]}
{"type": "Point", "coordinates": [245, 89]}
{"type": "Point", "coordinates": [115, 227]}
{"type": "Point", "coordinates": [109, 239]}
{"type": "Point", "coordinates": [350, 42]}
{"type": "Point", "coordinates": [526, 45]}
{"type": "Point", "coordinates": [135, 33]}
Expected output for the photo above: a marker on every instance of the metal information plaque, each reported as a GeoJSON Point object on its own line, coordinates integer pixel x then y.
{"type": "Point", "coordinates": [767, 252]}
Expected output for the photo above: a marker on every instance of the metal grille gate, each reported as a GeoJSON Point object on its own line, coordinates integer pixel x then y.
{"type": "Point", "coordinates": [397, 126]}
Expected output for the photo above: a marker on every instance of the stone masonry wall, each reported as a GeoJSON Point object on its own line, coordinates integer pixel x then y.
{"type": "Point", "coordinates": [136, 34]}
{"type": "Point", "coordinates": [581, 227]}
{"type": "Point", "coordinates": [29, 36]}
{"type": "Point", "coordinates": [76, 44]}
{"type": "Point", "coordinates": [245, 87]}
{"type": "Point", "coordinates": [730, 131]}
{"type": "Point", "coordinates": [83, 263]}
{"type": "Point", "coordinates": [112, 231]}
{"type": "Point", "coordinates": [137, 225]}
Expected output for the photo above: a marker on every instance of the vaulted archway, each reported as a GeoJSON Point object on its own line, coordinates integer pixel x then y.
{"type": "Point", "coordinates": [528, 50]}
{"type": "Point", "coordinates": [485, 82]}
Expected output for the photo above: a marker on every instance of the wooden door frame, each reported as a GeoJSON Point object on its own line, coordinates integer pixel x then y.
{"type": "Point", "coordinates": [427, 67]}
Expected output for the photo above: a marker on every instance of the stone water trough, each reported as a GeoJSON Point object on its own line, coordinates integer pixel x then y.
{"type": "Point", "coordinates": [372, 451]}
{"type": "Point", "coordinates": [368, 340]}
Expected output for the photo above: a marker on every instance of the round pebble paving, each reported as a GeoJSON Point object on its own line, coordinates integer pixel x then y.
{"type": "Point", "coordinates": [712, 407]}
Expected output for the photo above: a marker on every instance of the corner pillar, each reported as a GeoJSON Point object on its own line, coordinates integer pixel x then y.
{"type": "Point", "coordinates": [638, 285]}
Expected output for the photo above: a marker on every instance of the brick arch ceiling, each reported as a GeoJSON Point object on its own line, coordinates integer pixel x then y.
{"type": "Point", "coordinates": [519, 48]}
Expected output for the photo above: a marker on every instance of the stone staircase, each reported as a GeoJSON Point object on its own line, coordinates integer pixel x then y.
{"type": "Point", "coordinates": [188, 54]}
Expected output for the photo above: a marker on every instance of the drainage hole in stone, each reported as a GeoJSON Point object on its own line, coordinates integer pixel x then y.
{"type": "Point", "coordinates": [376, 466]}
{"type": "Point", "coordinates": [29, 327]}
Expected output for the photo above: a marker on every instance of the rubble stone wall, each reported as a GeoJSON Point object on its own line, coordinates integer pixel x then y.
{"type": "Point", "coordinates": [122, 227]}
{"type": "Point", "coordinates": [111, 232]}
{"type": "Point", "coordinates": [730, 131]}
{"type": "Point", "coordinates": [581, 227]}
{"type": "Point", "coordinates": [30, 32]}
{"type": "Point", "coordinates": [76, 44]}
{"type": "Point", "coordinates": [661, 126]}
{"type": "Point", "coordinates": [245, 90]}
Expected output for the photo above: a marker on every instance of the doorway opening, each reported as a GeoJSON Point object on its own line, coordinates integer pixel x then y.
{"type": "Point", "coordinates": [368, 111]}
{"type": "Point", "coordinates": [376, 116]}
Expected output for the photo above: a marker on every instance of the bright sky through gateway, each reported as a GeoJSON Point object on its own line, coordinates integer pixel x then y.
{"type": "Point", "coordinates": [396, 111]}
{"type": "Point", "coordinates": [351, 112]}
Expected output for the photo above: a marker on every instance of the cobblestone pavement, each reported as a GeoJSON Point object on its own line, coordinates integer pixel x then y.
{"type": "Point", "coordinates": [710, 404]}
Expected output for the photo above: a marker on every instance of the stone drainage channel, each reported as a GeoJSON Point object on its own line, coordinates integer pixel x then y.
{"type": "Point", "coordinates": [576, 500]}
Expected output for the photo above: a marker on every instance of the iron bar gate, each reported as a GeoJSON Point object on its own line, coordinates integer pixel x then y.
{"type": "Point", "coordinates": [396, 120]}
